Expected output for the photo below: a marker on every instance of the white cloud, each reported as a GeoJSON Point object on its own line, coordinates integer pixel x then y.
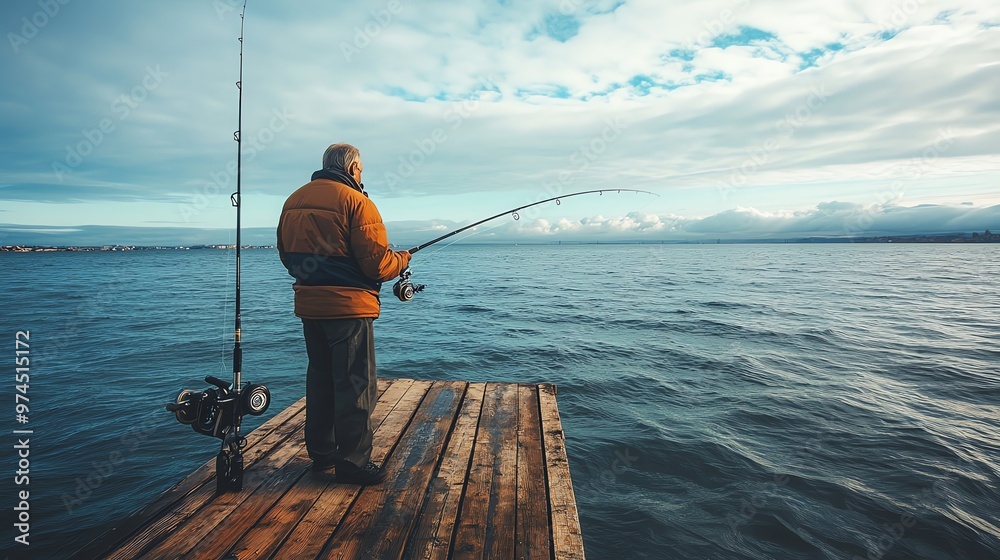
{"type": "Point", "coordinates": [828, 219]}
{"type": "Point", "coordinates": [714, 127]}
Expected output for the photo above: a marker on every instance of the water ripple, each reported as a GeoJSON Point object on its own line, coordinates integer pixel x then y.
{"type": "Point", "coordinates": [724, 402]}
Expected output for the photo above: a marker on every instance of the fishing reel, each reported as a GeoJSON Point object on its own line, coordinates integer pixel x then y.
{"type": "Point", "coordinates": [211, 411]}
{"type": "Point", "coordinates": [403, 288]}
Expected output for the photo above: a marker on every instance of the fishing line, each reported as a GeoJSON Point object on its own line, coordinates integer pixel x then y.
{"type": "Point", "coordinates": [226, 331]}
{"type": "Point", "coordinates": [405, 290]}
{"type": "Point", "coordinates": [474, 233]}
{"type": "Point", "coordinates": [513, 212]}
{"type": "Point", "coordinates": [218, 411]}
{"type": "Point", "coordinates": [429, 257]}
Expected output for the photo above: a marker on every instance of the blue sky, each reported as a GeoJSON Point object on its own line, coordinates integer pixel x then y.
{"type": "Point", "coordinates": [748, 118]}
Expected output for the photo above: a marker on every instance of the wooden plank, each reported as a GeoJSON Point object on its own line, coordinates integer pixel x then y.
{"type": "Point", "coordinates": [475, 470]}
{"type": "Point", "coordinates": [532, 537]}
{"type": "Point", "coordinates": [487, 520]}
{"type": "Point", "coordinates": [321, 522]}
{"type": "Point", "coordinates": [433, 534]}
{"type": "Point", "coordinates": [380, 520]}
{"type": "Point", "coordinates": [278, 521]}
{"type": "Point", "coordinates": [503, 512]}
{"type": "Point", "coordinates": [207, 519]}
{"type": "Point", "coordinates": [388, 401]}
{"type": "Point", "coordinates": [240, 518]}
{"type": "Point", "coordinates": [264, 538]}
{"type": "Point", "coordinates": [567, 538]}
{"type": "Point", "coordinates": [134, 522]}
{"type": "Point", "coordinates": [158, 528]}
{"type": "Point", "coordinates": [234, 514]}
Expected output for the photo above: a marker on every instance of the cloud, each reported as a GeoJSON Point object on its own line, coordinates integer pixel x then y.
{"type": "Point", "coordinates": [828, 219]}
{"type": "Point", "coordinates": [720, 103]}
{"type": "Point", "coordinates": [79, 192]}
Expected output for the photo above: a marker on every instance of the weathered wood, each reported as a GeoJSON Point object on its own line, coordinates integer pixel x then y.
{"type": "Point", "coordinates": [433, 534]}
{"type": "Point", "coordinates": [214, 516]}
{"type": "Point", "coordinates": [383, 515]}
{"type": "Point", "coordinates": [270, 532]}
{"type": "Point", "coordinates": [122, 530]}
{"type": "Point", "coordinates": [276, 523]}
{"type": "Point", "coordinates": [159, 528]}
{"type": "Point", "coordinates": [567, 538]}
{"type": "Point", "coordinates": [236, 522]}
{"type": "Point", "coordinates": [475, 470]}
{"type": "Point", "coordinates": [532, 537]}
{"type": "Point", "coordinates": [486, 522]}
{"type": "Point", "coordinates": [320, 524]}
{"type": "Point", "coordinates": [501, 526]}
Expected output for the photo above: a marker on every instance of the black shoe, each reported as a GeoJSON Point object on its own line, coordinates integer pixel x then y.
{"type": "Point", "coordinates": [349, 473]}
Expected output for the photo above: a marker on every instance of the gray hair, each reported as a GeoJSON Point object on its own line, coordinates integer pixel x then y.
{"type": "Point", "coordinates": [340, 156]}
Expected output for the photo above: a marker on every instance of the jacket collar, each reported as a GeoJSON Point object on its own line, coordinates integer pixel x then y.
{"type": "Point", "coordinates": [340, 177]}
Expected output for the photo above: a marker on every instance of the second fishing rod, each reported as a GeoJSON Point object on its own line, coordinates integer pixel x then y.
{"type": "Point", "coordinates": [404, 289]}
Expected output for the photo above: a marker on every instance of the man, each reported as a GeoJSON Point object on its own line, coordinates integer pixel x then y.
{"type": "Point", "coordinates": [332, 241]}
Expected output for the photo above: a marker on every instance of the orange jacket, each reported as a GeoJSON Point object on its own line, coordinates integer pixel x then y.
{"type": "Point", "coordinates": [332, 241]}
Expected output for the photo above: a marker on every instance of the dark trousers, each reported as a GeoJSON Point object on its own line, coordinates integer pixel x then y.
{"type": "Point", "coordinates": [341, 389]}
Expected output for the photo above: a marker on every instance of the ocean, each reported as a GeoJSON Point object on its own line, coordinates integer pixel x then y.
{"type": "Point", "coordinates": [782, 401]}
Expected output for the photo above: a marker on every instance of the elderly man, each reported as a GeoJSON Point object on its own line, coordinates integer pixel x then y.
{"type": "Point", "coordinates": [332, 241]}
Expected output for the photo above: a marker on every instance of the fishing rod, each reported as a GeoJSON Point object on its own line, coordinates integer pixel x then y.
{"type": "Point", "coordinates": [405, 290]}
{"type": "Point", "coordinates": [218, 412]}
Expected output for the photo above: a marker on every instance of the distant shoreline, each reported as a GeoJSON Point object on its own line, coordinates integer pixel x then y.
{"type": "Point", "coordinates": [116, 248]}
{"type": "Point", "coordinates": [986, 237]}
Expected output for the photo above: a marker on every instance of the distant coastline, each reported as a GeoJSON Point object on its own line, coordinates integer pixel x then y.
{"type": "Point", "coordinates": [119, 248]}
{"type": "Point", "coordinates": [975, 237]}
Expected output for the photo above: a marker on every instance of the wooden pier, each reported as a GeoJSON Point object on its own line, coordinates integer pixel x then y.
{"type": "Point", "coordinates": [476, 470]}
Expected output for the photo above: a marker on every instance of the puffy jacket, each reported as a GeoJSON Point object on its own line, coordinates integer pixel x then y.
{"type": "Point", "coordinates": [332, 241]}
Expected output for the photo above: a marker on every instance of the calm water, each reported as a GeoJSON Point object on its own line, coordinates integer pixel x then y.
{"type": "Point", "coordinates": [720, 401]}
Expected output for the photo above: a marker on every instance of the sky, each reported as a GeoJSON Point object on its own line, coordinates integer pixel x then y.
{"type": "Point", "coordinates": [746, 118]}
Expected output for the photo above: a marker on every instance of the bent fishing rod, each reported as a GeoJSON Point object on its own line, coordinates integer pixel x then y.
{"type": "Point", "coordinates": [405, 290]}
{"type": "Point", "coordinates": [218, 411]}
